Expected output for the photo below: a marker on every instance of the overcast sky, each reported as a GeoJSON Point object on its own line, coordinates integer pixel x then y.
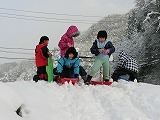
{"type": "Point", "coordinates": [19, 32]}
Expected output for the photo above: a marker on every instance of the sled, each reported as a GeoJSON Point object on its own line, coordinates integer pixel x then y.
{"type": "Point", "coordinates": [68, 80]}
{"type": "Point", "coordinates": [123, 78]}
{"type": "Point", "coordinates": [100, 83]}
{"type": "Point", "coordinates": [49, 69]}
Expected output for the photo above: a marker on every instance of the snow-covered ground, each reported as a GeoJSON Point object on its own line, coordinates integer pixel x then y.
{"type": "Point", "coordinates": [49, 101]}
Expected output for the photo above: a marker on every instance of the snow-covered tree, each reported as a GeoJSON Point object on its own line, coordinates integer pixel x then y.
{"type": "Point", "coordinates": [145, 20]}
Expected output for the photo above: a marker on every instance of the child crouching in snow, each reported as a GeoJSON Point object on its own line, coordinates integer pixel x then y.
{"type": "Point", "coordinates": [126, 66]}
{"type": "Point", "coordinates": [68, 65]}
{"type": "Point", "coordinates": [102, 48]}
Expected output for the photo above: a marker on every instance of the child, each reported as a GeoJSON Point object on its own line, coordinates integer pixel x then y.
{"type": "Point", "coordinates": [126, 66]}
{"type": "Point", "coordinates": [68, 66]}
{"type": "Point", "coordinates": [67, 42]}
{"type": "Point", "coordinates": [41, 59]}
{"type": "Point", "coordinates": [67, 39]}
{"type": "Point", "coordinates": [102, 48]}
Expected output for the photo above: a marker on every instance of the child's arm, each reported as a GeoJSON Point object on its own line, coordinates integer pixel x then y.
{"type": "Point", "coordinates": [76, 66]}
{"type": "Point", "coordinates": [45, 52]}
{"type": "Point", "coordinates": [60, 65]}
{"type": "Point", "coordinates": [63, 44]}
{"type": "Point", "coordinates": [94, 49]}
{"type": "Point", "coordinates": [111, 48]}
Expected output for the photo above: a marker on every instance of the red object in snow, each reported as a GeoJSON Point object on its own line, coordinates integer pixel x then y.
{"type": "Point", "coordinates": [100, 83]}
{"type": "Point", "coordinates": [63, 80]}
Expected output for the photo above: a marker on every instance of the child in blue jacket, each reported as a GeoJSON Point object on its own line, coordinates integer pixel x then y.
{"type": "Point", "coordinates": [68, 65]}
{"type": "Point", "coordinates": [102, 49]}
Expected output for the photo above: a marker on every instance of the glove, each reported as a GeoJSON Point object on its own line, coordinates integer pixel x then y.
{"type": "Point", "coordinates": [70, 45]}
{"type": "Point", "coordinates": [59, 75]}
{"type": "Point", "coordinates": [106, 51]}
{"type": "Point", "coordinates": [50, 55]}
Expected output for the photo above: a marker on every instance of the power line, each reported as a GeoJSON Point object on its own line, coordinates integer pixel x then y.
{"type": "Point", "coordinates": [17, 48]}
{"type": "Point", "coordinates": [47, 17]}
{"type": "Point", "coordinates": [49, 13]}
{"type": "Point", "coordinates": [16, 52]}
{"type": "Point", "coordinates": [22, 49]}
{"type": "Point", "coordinates": [22, 18]}
{"type": "Point", "coordinates": [16, 58]}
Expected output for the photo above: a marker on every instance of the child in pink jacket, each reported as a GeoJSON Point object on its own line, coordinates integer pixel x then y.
{"type": "Point", "coordinates": [67, 42]}
{"type": "Point", "coordinates": [67, 39]}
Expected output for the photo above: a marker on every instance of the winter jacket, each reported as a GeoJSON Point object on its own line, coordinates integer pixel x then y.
{"type": "Point", "coordinates": [41, 55]}
{"type": "Point", "coordinates": [69, 63]}
{"type": "Point", "coordinates": [67, 40]}
{"type": "Point", "coordinates": [107, 45]}
{"type": "Point", "coordinates": [127, 62]}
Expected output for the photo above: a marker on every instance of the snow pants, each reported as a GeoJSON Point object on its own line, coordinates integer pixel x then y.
{"type": "Point", "coordinates": [104, 62]}
{"type": "Point", "coordinates": [121, 71]}
{"type": "Point", "coordinates": [41, 74]}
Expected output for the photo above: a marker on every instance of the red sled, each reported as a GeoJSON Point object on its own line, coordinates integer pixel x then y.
{"type": "Point", "coordinates": [68, 80]}
{"type": "Point", "coordinates": [100, 83]}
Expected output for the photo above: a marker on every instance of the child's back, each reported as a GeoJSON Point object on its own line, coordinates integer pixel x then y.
{"type": "Point", "coordinates": [67, 39]}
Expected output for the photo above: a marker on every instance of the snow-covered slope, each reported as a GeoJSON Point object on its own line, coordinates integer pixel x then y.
{"type": "Point", "coordinates": [49, 101]}
{"type": "Point", "coordinates": [115, 25]}
{"type": "Point", "coordinates": [144, 36]}
{"type": "Point", "coordinates": [23, 70]}
{"type": "Point", "coordinates": [137, 33]}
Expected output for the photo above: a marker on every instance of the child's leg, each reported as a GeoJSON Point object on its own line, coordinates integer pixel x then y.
{"type": "Point", "coordinates": [41, 70]}
{"type": "Point", "coordinates": [132, 75]}
{"type": "Point", "coordinates": [106, 68]}
{"type": "Point", "coordinates": [82, 71]}
{"type": "Point", "coordinates": [96, 66]}
{"type": "Point", "coordinates": [67, 72]}
{"type": "Point", "coordinates": [42, 73]}
{"type": "Point", "coordinates": [118, 72]}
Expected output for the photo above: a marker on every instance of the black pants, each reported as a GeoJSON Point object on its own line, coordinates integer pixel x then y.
{"type": "Point", "coordinates": [121, 71]}
{"type": "Point", "coordinates": [41, 74]}
{"type": "Point", "coordinates": [68, 72]}
{"type": "Point", "coordinates": [82, 71]}
{"type": "Point", "coordinates": [41, 70]}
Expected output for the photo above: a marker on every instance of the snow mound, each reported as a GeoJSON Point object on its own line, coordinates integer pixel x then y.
{"type": "Point", "coordinates": [48, 101]}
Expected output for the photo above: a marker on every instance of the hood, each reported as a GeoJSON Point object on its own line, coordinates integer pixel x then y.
{"type": "Point", "coordinates": [72, 30]}
{"type": "Point", "coordinates": [123, 55]}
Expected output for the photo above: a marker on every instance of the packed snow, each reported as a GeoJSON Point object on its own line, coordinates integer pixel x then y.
{"type": "Point", "coordinates": [50, 101]}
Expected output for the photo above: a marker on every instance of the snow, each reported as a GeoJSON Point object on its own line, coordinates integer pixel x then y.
{"type": "Point", "coordinates": [49, 101]}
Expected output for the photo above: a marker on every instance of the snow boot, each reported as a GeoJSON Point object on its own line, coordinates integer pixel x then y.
{"type": "Point", "coordinates": [88, 80]}
{"type": "Point", "coordinates": [84, 78]}
{"type": "Point", "coordinates": [43, 77]}
{"type": "Point", "coordinates": [56, 78]}
{"type": "Point", "coordinates": [36, 78]}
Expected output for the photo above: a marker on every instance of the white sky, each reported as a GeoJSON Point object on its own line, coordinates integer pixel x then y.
{"type": "Point", "coordinates": [26, 33]}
